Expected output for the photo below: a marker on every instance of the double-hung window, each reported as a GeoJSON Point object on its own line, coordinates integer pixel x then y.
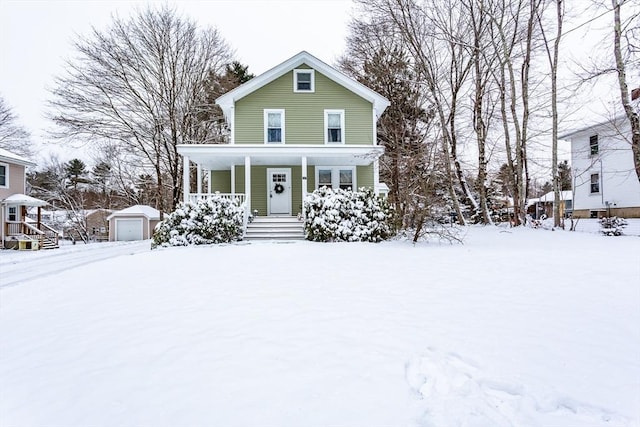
{"type": "Point", "coordinates": [12, 213]}
{"type": "Point", "coordinates": [342, 177]}
{"type": "Point", "coordinates": [593, 145]}
{"type": "Point", "coordinates": [274, 126]}
{"type": "Point", "coordinates": [334, 126]}
{"type": "Point", "coordinates": [4, 175]}
{"type": "Point", "coordinates": [595, 183]}
{"type": "Point", "coordinates": [304, 80]}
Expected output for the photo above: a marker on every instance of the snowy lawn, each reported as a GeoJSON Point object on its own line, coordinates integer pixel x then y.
{"type": "Point", "coordinates": [517, 327]}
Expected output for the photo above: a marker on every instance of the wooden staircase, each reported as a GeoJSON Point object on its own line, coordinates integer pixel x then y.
{"type": "Point", "coordinates": [275, 228]}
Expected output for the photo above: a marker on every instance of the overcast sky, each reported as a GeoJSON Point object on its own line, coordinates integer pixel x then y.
{"type": "Point", "coordinates": [36, 36]}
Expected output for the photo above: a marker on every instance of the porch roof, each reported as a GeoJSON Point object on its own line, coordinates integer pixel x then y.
{"type": "Point", "coordinates": [23, 200]}
{"type": "Point", "coordinates": [223, 156]}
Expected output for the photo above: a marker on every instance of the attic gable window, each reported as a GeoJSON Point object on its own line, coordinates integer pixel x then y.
{"type": "Point", "coordinates": [304, 80]}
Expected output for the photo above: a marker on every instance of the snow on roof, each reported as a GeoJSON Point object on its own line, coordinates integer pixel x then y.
{"type": "Point", "coordinates": [137, 210]}
{"type": "Point", "coordinates": [10, 157]}
{"type": "Point", "coordinates": [550, 197]}
{"type": "Point", "coordinates": [23, 199]}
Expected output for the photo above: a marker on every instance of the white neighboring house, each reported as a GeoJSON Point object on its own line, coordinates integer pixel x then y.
{"type": "Point", "coordinates": [604, 177]}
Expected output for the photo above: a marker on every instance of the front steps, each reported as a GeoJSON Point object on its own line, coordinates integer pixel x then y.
{"type": "Point", "coordinates": [275, 228]}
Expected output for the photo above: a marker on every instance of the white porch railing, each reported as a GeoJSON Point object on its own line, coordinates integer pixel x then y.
{"type": "Point", "coordinates": [194, 197]}
{"type": "Point", "coordinates": [238, 197]}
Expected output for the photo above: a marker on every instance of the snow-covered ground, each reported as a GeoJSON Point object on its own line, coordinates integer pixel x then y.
{"type": "Point", "coordinates": [517, 327]}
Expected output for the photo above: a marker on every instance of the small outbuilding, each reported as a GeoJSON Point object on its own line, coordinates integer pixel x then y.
{"type": "Point", "coordinates": [133, 223]}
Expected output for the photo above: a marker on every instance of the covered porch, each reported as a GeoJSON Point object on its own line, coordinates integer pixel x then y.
{"type": "Point", "coordinates": [273, 180]}
{"type": "Point", "coordinates": [21, 232]}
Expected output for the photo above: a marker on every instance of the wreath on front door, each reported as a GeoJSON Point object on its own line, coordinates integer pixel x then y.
{"type": "Point", "coordinates": [279, 188]}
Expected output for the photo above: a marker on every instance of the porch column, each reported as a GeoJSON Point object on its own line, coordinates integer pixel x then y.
{"type": "Point", "coordinates": [199, 175]}
{"type": "Point", "coordinates": [304, 181]}
{"type": "Point", "coordinates": [186, 185]}
{"type": "Point", "coordinates": [209, 176]}
{"type": "Point", "coordinates": [233, 179]}
{"type": "Point", "coordinates": [247, 188]}
{"type": "Point", "coordinates": [376, 177]}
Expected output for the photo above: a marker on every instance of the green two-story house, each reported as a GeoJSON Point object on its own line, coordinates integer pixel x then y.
{"type": "Point", "coordinates": [297, 127]}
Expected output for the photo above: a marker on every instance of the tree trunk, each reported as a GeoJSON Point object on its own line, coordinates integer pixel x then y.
{"type": "Point", "coordinates": [632, 116]}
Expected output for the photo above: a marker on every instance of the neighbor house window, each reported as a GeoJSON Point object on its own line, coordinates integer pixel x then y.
{"type": "Point", "coordinates": [595, 183]}
{"type": "Point", "coordinates": [12, 214]}
{"type": "Point", "coordinates": [4, 178]}
{"type": "Point", "coordinates": [303, 80]}
{"type": "Point", "coordinates": [336, 177]}
{"type": "Point", "coordinates": [334, 126]}
{"type": "Point", "coordinates": [273, 126]}
{"type": "Point", "coordinates": [593, 144]}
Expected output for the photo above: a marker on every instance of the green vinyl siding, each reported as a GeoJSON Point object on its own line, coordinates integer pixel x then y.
{"type": "Point", "coordinates": [364, 176]}
{"type": "Point", "coordinates": [304, 112]}
{"type": "Point", "coordinates": [221, 181]}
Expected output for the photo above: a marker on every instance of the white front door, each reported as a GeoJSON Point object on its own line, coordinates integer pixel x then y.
{"type": "Point", "coordinates": [279, 191]}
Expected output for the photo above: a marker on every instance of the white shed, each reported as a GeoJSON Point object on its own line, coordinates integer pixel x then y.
{"type": "Point", "coordinates": [133, 223]}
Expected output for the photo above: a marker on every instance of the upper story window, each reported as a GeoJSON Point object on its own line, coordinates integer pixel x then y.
{"type": "Point", "coordinates": [595, 183]}
{"type": "Point", "coordinates": [274, 126]}
{"type": "Point", "coordinates": [593, 145]}
{"type": "Point", "coordinates": [4, 176]}
{"type": "Point", "coordinates": [334, 126]}
{"type": "Point", "coordinates": [303, 80]}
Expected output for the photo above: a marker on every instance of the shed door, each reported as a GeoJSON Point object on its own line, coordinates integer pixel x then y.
{"type": "Point", "coordinates": [128, 229]}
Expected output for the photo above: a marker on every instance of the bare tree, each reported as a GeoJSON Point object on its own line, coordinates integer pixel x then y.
{"type": "Point", "coordinates": [53, 184]}
{"type": "Point", "coordinates": [552, 55]}
{"type": "Point", "coordinates": [621, 69]}
{"type": "Point", "coordinates": [141, 84]}
{"type": "Point", "coordinates": [13, 137]}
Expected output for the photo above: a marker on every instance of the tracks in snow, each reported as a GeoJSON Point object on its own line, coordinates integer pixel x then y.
{"type": "Point", "coordinates": [17, 268]}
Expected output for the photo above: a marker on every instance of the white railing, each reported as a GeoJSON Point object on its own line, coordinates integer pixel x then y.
{"type": "Point", "coordinates": [194, 197]}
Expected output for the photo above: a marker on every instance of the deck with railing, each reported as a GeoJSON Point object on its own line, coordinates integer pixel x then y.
{"type": "Point", "coordinates": [46, 236]}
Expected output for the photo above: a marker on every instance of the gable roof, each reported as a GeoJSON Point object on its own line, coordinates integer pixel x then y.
{"type": "Point", "coordinates": [9, 157]}
{"type": "Point", "coordinates": [138, 210]}
{"type": "Point", "coordinates": [226, 101]}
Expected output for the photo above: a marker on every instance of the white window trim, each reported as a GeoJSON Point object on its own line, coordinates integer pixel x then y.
{"type": "Point", "coordinates": [305, 71]}
{"type": "Point", "coordinates": [6, 175]}
{"type": "Point", "coordinates": [266, 125]}
{"type": "Point", "coordinates": [326, 126]}
{"type": "Point", "coordinates": [335, 175]}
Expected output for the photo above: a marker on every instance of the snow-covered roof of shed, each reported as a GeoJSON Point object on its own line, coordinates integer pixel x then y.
{"type": "Point", "coordinates": [9, 157]}
{"type": "Point", "coordinates": [137, 210]}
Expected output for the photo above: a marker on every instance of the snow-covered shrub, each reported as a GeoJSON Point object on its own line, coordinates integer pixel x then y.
{"type": "Point", "coordinates": [612, 226]}
{"type": "Point", "coordinates": [213, 220]}
{"type": "Point", "coordinates": [347, 216]}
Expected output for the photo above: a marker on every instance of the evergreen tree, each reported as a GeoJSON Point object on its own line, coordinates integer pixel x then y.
{"type": "Point", "coordinates": [76, 172]}
{"type": "Point", "coordinates": [564, 176]}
